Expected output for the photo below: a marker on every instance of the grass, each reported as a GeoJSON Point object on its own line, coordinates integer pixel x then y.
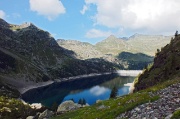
{"type": "Point", "coordinates": [176, 115]}
{"type": "Point", "coordinates": [114, 107]}
{"type": "Point", "coordinates": [11, 108]}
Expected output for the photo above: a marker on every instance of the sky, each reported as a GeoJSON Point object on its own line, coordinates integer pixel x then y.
{"type": "Point", "coordinates": [94, 20]}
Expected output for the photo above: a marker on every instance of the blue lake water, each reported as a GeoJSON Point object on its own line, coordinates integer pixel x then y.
{"type": "Point", "coordinates": [91, 89]}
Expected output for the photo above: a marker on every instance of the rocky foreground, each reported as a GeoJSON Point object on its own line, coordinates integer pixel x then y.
{"type": "Point", "coordinates": [163, 108]}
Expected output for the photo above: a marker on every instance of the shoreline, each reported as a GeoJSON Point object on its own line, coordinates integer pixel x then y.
{"type": "Point", "coordinates": [47, 83]}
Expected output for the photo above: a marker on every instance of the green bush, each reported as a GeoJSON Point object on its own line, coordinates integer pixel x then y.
{"type": "Point", "coordinates": [176, 115]}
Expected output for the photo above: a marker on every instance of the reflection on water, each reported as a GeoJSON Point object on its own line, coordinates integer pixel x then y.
{"type": "Point", "coordinates": [91, 89]}
{"type": "Point", "coordinates": [97, 90]}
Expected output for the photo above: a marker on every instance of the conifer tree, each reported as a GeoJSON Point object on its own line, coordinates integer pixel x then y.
{"type": "Point", "coordinates": [114, 92]}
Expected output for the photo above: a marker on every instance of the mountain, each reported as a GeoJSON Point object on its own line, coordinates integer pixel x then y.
{"type": "Point", "coordinates": [30, 55]}
{"type": "Point", "coordinates": [166, 66]}
{"type": "Point", "coordinates": [110, 49]}
{"type": "Point", "coordinates": [83, 50]}
{"type": "Point", "coordinates": [112, 45]}
{"type": "Point", "coordinates": [147, 44]}
{"type": "Point", "coordinates": [135, 61]}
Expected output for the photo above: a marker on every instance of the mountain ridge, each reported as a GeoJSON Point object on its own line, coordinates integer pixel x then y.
{"type": "Point", "coordinates": [110, 48]}
{"type": "Point", "coordinates": [113, 45]}
{"type": "Point", "coordinates": [30, 55]}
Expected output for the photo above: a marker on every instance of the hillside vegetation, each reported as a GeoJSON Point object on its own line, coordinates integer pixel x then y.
{"type": "Point", "coordinates": [166, 66]}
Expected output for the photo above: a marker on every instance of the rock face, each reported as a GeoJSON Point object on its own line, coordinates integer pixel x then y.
{"type": "Point", "coordinates": [30, 55]}
{"type": "Point", "coordinates": [67, 106]}
{"type": "Point", "coordinates": [46, 114]}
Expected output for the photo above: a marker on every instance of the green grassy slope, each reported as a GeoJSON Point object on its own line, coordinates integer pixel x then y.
{"type": "Point", "coordinates": [166, 65]}
{"type": "Point", "coordinates": [135, 61]}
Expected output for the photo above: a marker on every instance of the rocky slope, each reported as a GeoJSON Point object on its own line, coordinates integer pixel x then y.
{"type": "Point", "coordinates": [112, 45]}
{"type": "Point", "coordinates": [163, 108]}
{"type": "Point", "coordinates": [30, 55]}
{"type": "Point", "coordinates": [111, 48]}
{"type": "Point", "coordinates": [146, 44]}
{"type": "Point", "coordinates": [83, 50]}
{"type": "Point", "coordinates": [166, 65]}
{"type": "Point", "coordinates": [165, 69]}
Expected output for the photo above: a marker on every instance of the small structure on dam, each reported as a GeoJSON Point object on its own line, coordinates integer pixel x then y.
{"type": "Point", "coordinates": [129, 72]}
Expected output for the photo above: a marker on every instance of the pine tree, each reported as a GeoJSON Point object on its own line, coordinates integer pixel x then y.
{"type": "Point", "coordinates": [54, 106]}
{"type": "Point", "coordinates": [176, 34]}
{"type": "Point", "coordinates": [114, 92]}
{"type": "Point", "coordinates": [80, 101]}
{"type": "Point", "coordinates": [84, 101]}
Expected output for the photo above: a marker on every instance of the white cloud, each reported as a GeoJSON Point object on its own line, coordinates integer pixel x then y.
{"type": "Point", "coordinates": [149, 15]}
{"type": "Point", "coordinates": [94, 33]}
{"type": "Point", "coordinates": [2, 14]}
{"type": "Point", "coordinates": [85, 8]}
{"type": "Point", "coordinates": [48, 8]}
{"type": "Point", "coordinates": [97, 90]}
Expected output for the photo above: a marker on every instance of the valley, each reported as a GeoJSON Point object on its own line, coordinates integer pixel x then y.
{"type": "Point", "coordinates": [89, 59]}
{"type": "Point", "coordinates": [39, 69]}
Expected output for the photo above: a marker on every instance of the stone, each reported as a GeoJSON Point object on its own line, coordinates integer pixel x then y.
{"type": "Point", "coordinates": [36, 105]}
{"type": "Point", "coordinates": [137, 109]}
{"type": "Point", "coordinates": [101, 107]}
{"type": "Point", "coordinates": [46, 114]}
{"type": "Point", "coordinates": [169, 116]}
{"type": "Point", "coordinates": [98, 101]}
{"type": "Point", "coordinates": [67, 106]}
{"type": "Point", "coordinates": [164, 107]}
{"type": "Point", "coordinates": [30, 117]}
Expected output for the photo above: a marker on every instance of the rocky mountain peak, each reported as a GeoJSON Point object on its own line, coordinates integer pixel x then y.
{"type": "Point", "coordinates": [3, 23]}
{"type": "Point", "coordinates": [111, 37]}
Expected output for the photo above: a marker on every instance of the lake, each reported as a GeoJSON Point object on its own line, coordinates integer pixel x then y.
{"type": "Point", "coordinates": [91, 89]}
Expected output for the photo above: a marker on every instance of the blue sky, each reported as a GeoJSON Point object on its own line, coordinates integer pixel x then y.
{"type": "Point", "coordinates": [94, 20]}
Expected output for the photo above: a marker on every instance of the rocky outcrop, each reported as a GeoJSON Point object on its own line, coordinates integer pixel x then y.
{"type": "Point", "coordinates": [69, 106]}
{"type": "Point", "coordinates": [30, 117]}
{"type": "Point", "coordinates": [36, 106]}
{"type": "Point", "coordinates": [46, 114]}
